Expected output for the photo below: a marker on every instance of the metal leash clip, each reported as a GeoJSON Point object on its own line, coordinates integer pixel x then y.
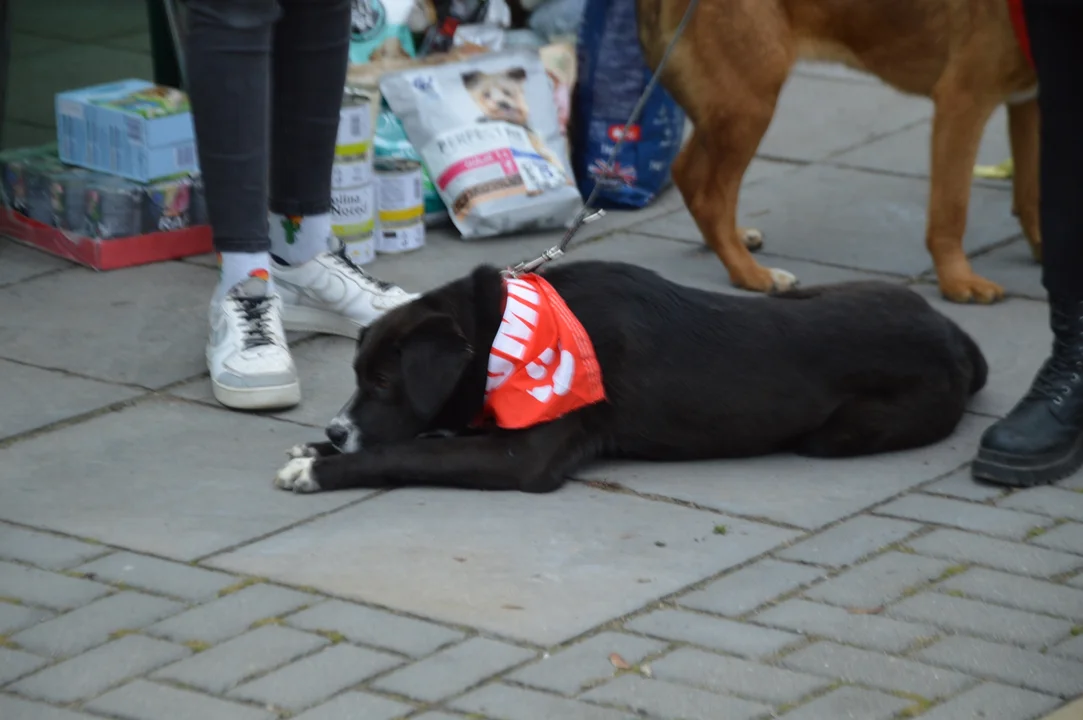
{"type": "Point", "coordinates": [557, 250]}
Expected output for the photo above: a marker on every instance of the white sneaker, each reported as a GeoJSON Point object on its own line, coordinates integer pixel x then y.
{"type": "Point", "coordinates": [330, 294]}
{"type": "Point", "coordinates": [247, 354]}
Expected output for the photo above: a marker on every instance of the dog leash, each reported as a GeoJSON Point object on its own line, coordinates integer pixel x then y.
{"type": "Point", "coordinates": [585, 214]}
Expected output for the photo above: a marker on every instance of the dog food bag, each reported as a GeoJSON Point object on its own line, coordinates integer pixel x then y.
{"type": "Point", "coordinates": [391, 142]}
{"type": "Point", "coordinates": [487, 131]}
{"type": "Point", "coordinates": [612, 76]}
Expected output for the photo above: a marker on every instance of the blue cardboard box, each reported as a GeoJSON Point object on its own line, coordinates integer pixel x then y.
{"type": "Point", "coordinates": [131, 128]}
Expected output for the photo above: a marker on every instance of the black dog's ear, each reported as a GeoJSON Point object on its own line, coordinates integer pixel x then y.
{"type": "Point", "coordinates": [471, 78]}
{"type": "Point", "coordinates": [434, 355]}
{"type": "Point", "coordinates": [517, 73]}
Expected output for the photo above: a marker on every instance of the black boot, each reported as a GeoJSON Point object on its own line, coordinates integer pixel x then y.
{"type": "Point", "coordinates": [1041, 439]}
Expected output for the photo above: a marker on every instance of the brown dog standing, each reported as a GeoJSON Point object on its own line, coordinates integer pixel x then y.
{"type": "Point", "coordinates": [729, 67]}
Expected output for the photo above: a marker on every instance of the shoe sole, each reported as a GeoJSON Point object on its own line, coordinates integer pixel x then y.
{"type": "Point", "coordinates": [277, 397]}
{"type": "Point", "coordinates": [1019, 472]}
{"type": "Point", "coordinates": [305, 319]}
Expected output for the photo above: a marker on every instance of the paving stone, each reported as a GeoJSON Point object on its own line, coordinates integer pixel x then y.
{"type": "Point", "coordinates": [1073, 482]}
{"type": "Point", "coordinates": [669, 701]}
{"type": "Point", "coordinates": [875, 670]}
{"type": "Point", "coordinates": [421, 551]}
{"type": "Point", "coordinates": [306, 682]}
{"type": "Point", "coordinates": [232, 614]}
{"type": "Point", "coordinates": [878, 581]}
{"type": "Point", "coordinates": [851, 702]}
{"type": "Point", "coordinates": [570, 670]}
{"type": "Point", "coordinates": [17, 617]}
{"type": "Point", "coordinates": [968, 516]}
{"type": "Point", "coordinates": [849, 541]}
{"type": "Point", "coordinates": [444, 716]}
{"type": "Point", "coordinates": [92, 624]}
{"type": "Point", "coordinates": [1047, 501]}
{"type": "Point", "coordinates": [45, 549]}
{"type": "Point", "coordinates": [358, 706]}
{"type": "Point", "coordinates": [715, 633]}
{"type": "Point", "coordinates": [1068, 536]}
{"type": "Point", "coordinates": [750, 587]}
{"type": "Point", "coordinates": [164, 331]}
{"type": "Point", "coordinates": [18, 709]}
{"type": "Point", "coordinates": [160, 576]}
{"type": "Point", "coordinates": [1000, 554]}
{"type": "Point", "coordinates": [794, 490]}
{"type": "Point", "coordinates": [47, 589]}
{"type": "Point", "coordinates": [34, 398]}
{"type": "Point", "coordinates": [511, 703]}
{"type": "Point", "coordinates": [866, 221]}
{"type": "Point", "coordinates": [992, 701]}
{"type": "Point", "coordinates": [19, 262]}
{"type": "Point", "coordinates": [208, 499]}
{"type": "Point", "coordinates": [142, 700]}
{"type": "Point", "coordinates": [875, 632]}
{"type": "Point", "coordinates": [1071, 648]}
{"type": "Point", "coordinates": [374, 627]}
{"type": "Point", "coordinates": [1050, 675]}
{"type": "Point", "coordinates": [722, 674]}
{"type": "Point", "coordinates": [1077, 581]}
{"type": "Point", "coordinates": [1019, 592]}
{"type": "Point", "coordinates": [960, 484]}
{"type": "Point", "coordinates": [224, 666]}
{"type": "Point", "coordinates": [15, 663]}
{"type": "Point", "coordinates": [971, 617]}
{"type": "Point", "coordinates": [92, 672]}
{"type": "Point", "coordinates": [453, 670]}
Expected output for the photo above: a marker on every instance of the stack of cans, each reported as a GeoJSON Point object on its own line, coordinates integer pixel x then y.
{"type": "Point", "coordinates": [353, 192]}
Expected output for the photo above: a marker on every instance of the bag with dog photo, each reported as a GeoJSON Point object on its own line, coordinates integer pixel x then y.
{"type": "Point", "coordinates": [487, 131]}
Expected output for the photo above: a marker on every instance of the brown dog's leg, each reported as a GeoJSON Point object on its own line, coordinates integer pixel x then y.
{"type": "Point", "coordinates": [708, 173]}
{"type": "Point", "coordinates": [958, 123]}
{"type": "Point", "coordinates": [1023, 131]}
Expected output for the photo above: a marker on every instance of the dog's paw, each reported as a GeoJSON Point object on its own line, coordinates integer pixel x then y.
{"type": "Point", "coordinates": [972, 288]}
{"type": "Point", "coordinates": [752, 238]}
{"type": "Point", "coordinates": [296, 475]}
{"type": "Point", "coordinates": [782, 280]}
{"type": "Point", "coordinates": [304, 450]}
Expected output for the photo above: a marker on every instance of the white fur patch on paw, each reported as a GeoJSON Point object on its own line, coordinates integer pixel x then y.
{"type": "Point", "coordinates": [296, 475]}
{"type": "Point", "coordinates": [782, 279]}
{"type": "Point", "coordinates": [303, 450]}
{"type": "Point", "coordinates": [753, 239]}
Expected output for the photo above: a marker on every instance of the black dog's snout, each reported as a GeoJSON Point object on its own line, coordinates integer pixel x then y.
{"type": "Point", "coordinates": [337, 434]}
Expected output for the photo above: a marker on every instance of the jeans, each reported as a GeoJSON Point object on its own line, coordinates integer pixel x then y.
{"type": "Point", "coordinates": [265, 79]}
{"type": "Point", "coordinates": [1055, 28]}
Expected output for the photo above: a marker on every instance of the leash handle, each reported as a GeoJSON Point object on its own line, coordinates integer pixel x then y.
{"type": "Point", "coordinates": [581, 218]}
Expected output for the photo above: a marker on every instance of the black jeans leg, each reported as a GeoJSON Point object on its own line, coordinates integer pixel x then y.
{"type": "Point", "coordinates": [229, 78]}
{"type": "Point", "coordinates": [1056, 34]}
{"type": "Point", "coordinates": [311, 49]}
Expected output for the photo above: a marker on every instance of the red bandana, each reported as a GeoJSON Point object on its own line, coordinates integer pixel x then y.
{"type": "Point", "coordinates": [542, 363]}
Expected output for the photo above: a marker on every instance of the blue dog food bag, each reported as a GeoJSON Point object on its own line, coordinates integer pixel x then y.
{"type": "Point", "coordinates": [612, 75]}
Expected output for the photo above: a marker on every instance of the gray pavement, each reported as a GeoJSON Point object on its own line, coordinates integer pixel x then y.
{"type": "Point", "coordinates": [149, 571]}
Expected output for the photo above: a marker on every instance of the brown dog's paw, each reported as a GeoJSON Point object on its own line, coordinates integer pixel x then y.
{"type": "Point", "coordinates": [1035, 250]}
{"type": "Point", "coordinates": [752, 238]}
{"type": "Point", "coordinates": [972, 288]}
{"type": "Point", "coordinates": [767, 280]}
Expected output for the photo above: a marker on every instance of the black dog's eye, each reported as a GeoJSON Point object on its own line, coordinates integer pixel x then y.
{"type": "Point", "coordinates": [381, 382]}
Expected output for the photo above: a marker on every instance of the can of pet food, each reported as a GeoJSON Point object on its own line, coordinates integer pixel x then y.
{"type": "Point", "coordinates": [402, 198]}
{"type": "Point", "coordinates": [354, 141]}
{"type": "Point", "coordinates": [401, 237]}
{"type": "Point", "coordinates": [67, 196]}
{"type": "Point", "coordinates": [353, 217]}
{"type": "Point", "coordinates": [113, 207]}
{"type": "Point", "coordinates": [167, 205]}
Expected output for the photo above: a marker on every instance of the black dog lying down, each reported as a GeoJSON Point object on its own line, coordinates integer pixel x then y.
{"type": "Point", "coordinates": [828, 371]}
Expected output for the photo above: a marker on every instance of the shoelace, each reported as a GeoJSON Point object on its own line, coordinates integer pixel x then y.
{"type": "Point", "coordinates": [343, 259]}
{"type": "Point", "coordinates": [255, 312]}
{"type": "Point", "coordinates": [1064, 368]}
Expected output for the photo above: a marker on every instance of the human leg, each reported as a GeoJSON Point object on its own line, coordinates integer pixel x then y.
{"type": "Point", "coordinates": [228, 57]}
{"type": "Point", "coordinates": [308, 70]}
{"type": "Point", "coordinates": [1041, 440]}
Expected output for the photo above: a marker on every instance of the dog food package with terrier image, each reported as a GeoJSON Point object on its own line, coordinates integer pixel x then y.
{"type": "Point", "coordinates": [487, 131]}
